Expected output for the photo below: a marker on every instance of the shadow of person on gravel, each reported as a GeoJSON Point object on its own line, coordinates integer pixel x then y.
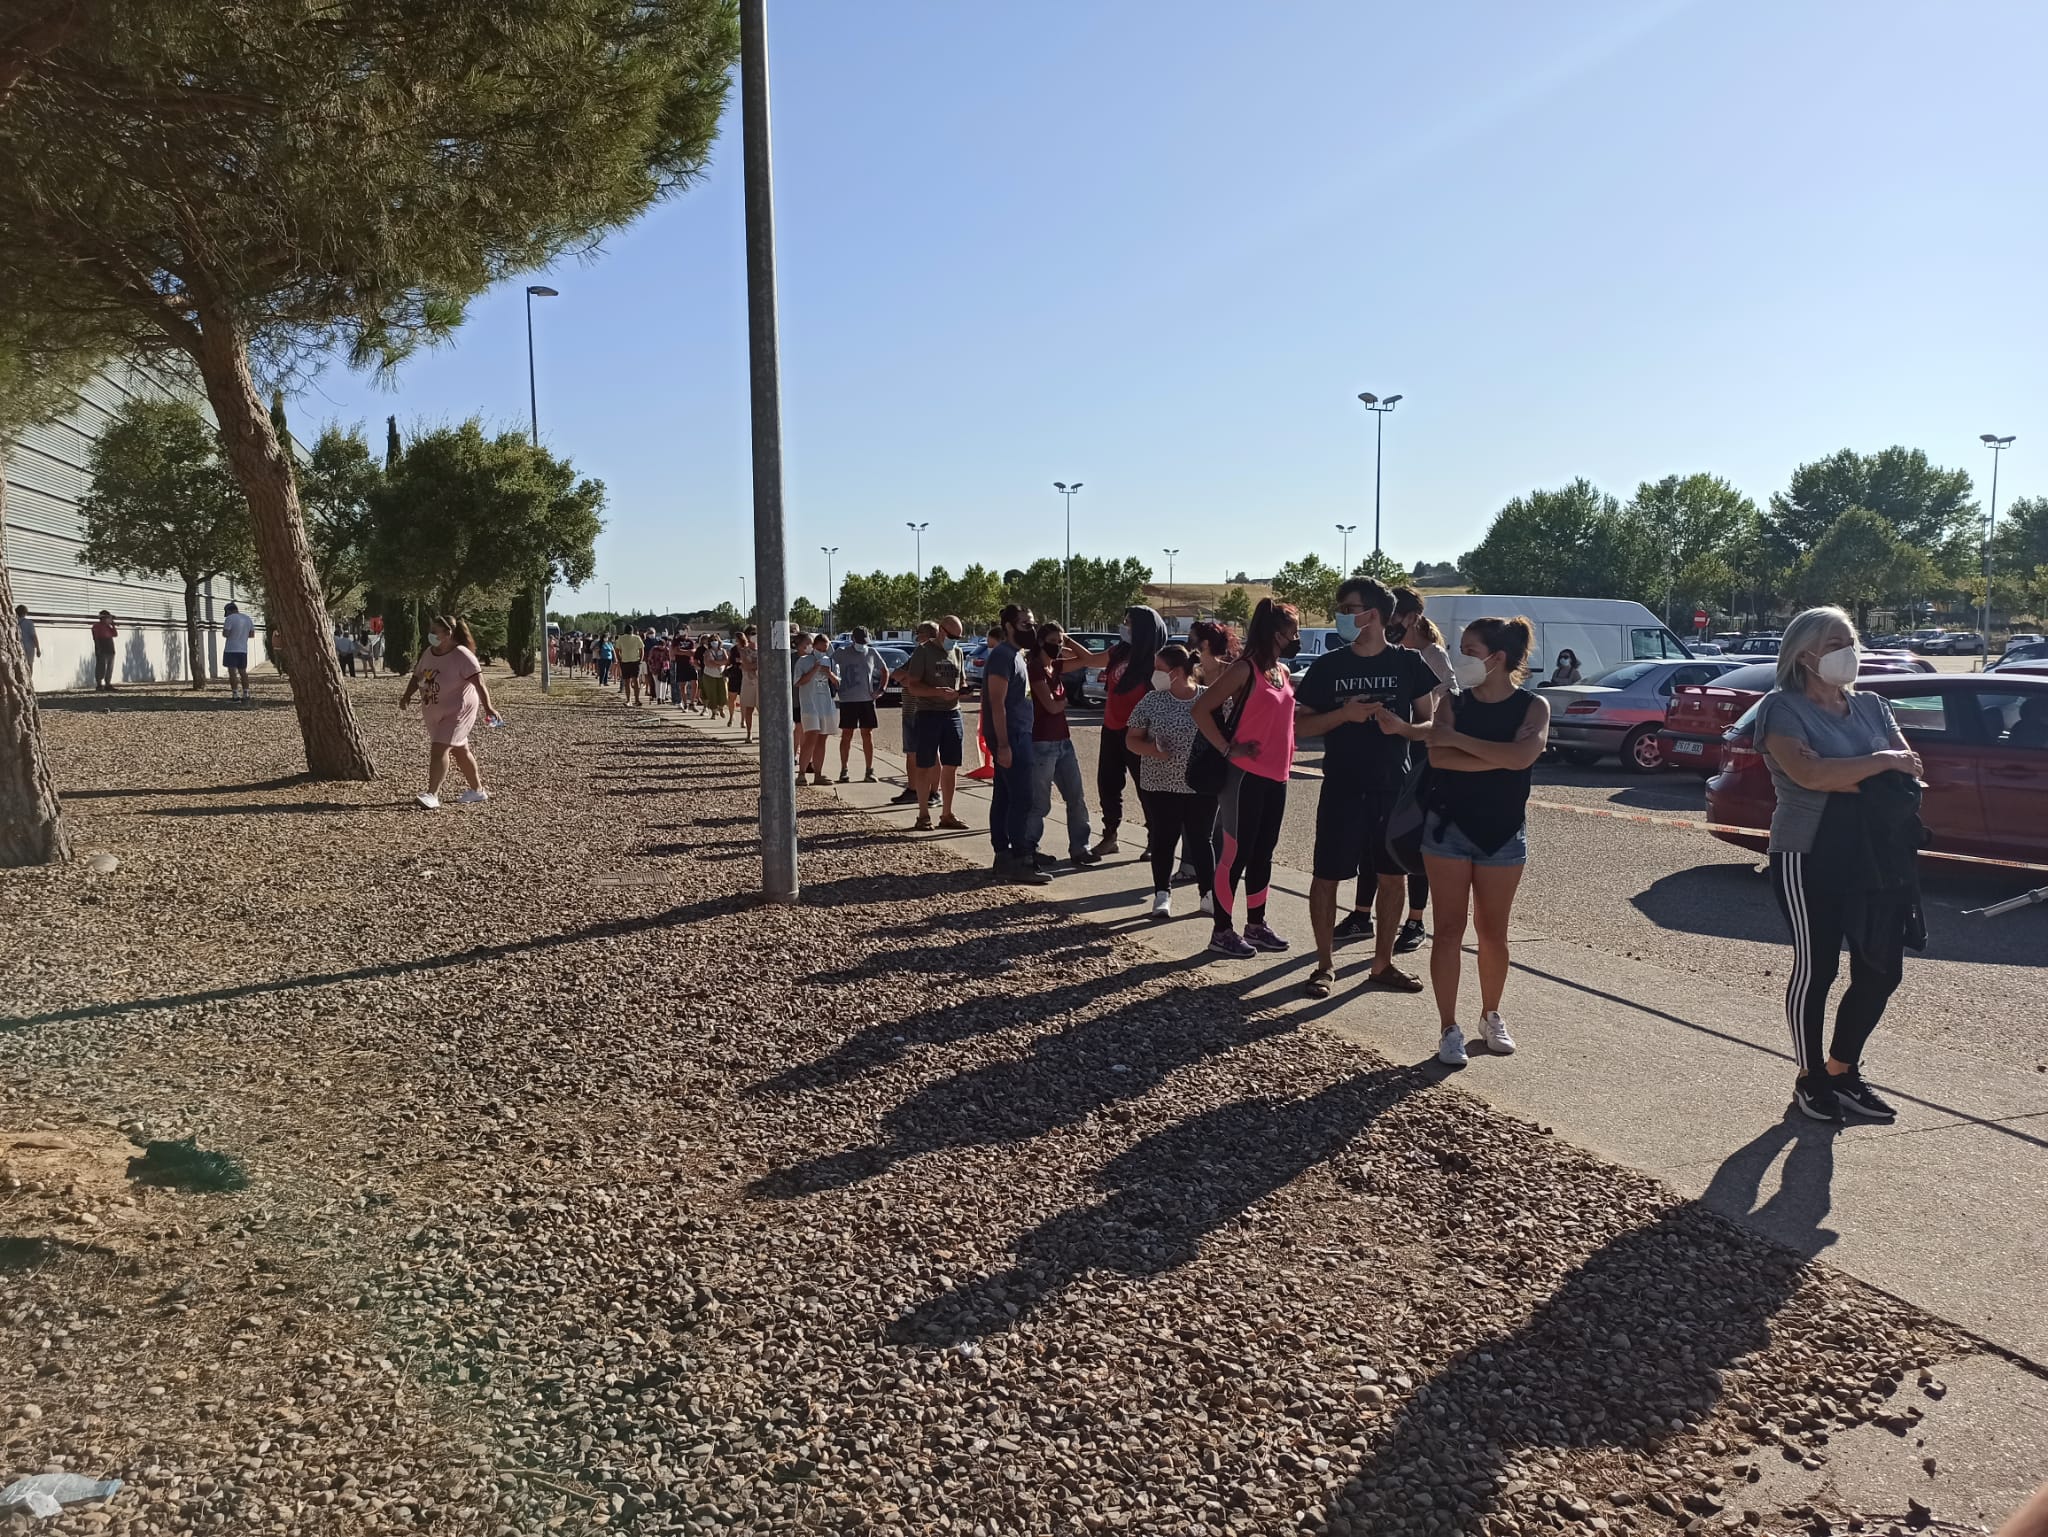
{"type": "Point", "coordinates": [1121, 1054]}
{"type": "Point", "coordinates": [878, 1045]}
{"type": "Point", "coordinates": [1629, 1350]}
{"type": "Point", "coordinates": [1167, 1193]}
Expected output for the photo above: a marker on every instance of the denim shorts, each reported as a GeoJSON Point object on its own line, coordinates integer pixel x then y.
{"type": "Point", "coordinates": [1447, 841]}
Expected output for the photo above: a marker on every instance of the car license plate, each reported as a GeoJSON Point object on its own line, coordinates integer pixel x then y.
{"type": "Point", "coordinates": [1691, 749]}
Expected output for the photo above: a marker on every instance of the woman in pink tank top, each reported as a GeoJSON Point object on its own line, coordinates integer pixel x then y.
{"type": "Point", "coordinates": [1254, 695]}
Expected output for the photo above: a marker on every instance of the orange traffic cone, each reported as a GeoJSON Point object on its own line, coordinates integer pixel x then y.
{"type": "Point", "coordinates": [987, 770]}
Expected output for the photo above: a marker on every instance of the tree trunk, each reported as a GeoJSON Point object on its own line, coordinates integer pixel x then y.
{"type": "Point", "coordinates": [31, 823]}
{"type": "Point", "coordinates": [195, 648]}
{"type": "Point", "coordinates": [335, 745]}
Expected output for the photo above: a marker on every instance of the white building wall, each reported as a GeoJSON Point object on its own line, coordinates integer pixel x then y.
{"type": "Point", "coordinates": [46, 478]}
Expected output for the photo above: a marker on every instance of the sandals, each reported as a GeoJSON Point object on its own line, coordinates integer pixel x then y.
{"type": "Point", "coordinates": [1320, 981]}
{"type": "Point", "coordinates": [1394, 980]}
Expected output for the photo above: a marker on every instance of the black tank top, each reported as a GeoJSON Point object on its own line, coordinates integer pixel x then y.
{"type": "Point", "coordinates": [1490, 805]}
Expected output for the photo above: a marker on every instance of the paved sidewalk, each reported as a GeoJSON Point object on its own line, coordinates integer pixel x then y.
{"type": "Point", "coordinates": [1685, 1079]}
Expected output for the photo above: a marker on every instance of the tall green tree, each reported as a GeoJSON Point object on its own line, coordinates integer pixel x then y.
{"type": "Point", "coordinates": [2021, 542]}
{"type": "Point", "coordinates": [1853, 563]}
{"type": "Point", "coordinates": [1104, 587]}
{"type": "Point", "coordinates": [1925, 504]}
{"type": "Point", "coordinates": [1574, 542]}
{"type": "Point", "coordinates": [257, 189]}
{"type": "Point", "coordinates": [467, 519]}
{"type": "Point", "coordinates": [335, 487]}
{"type": "Point", "coordinates": [163, 504]}
{"type": "Point", "coordinates": [807, 615]}
{"type": "Point", "coordinates": [1310, 584]}
{"type": "Point", "coordinates": [880, 600]}
{"type": "Point", "coordinates": [976, 595]}
{"type": "Point", "coordinates": [1235, 607]}
{"type": "Point", "coordinates": [1382, 568]}
{"type": "Point", "coordinates": [36, 385]}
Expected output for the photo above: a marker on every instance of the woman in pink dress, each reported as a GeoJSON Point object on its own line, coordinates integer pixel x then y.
{"type": "Point", "coordinates": [450, 683]}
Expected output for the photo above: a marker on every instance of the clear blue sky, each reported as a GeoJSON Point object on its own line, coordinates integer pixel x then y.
{"type": "Point", "coordinates": [1159, 249]}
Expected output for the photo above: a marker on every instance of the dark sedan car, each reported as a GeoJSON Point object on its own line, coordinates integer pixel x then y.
{"type": "Point", "coordinates": [1983, 744]}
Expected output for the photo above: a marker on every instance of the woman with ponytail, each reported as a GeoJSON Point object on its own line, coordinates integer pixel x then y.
{"type": "Point", "coordinates": [1482, 745]}
{"type": "Point", "coordinates": [450, 682]}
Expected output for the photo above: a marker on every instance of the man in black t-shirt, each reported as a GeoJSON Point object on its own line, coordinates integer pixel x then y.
{"type": "Point", "coordinates": [1363, 770]}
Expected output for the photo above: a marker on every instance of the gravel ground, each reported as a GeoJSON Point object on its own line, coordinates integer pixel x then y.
{"type": "Point", "coordinates": [586, 1193]}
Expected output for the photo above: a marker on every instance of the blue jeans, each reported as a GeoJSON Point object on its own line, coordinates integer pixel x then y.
{"type": "Point", "coordinates": [1445, 840]}
{"type": "Point", "coordinates": [1055, 762]}
{"type": "Point", "coordinates": [1009, 812]}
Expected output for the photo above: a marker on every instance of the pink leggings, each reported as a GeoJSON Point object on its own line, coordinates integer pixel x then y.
{"type": "Point", "coordinates": [1248, 819]}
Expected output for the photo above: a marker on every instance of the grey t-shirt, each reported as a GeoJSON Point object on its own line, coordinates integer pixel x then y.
{"type": "Point", "coordinates": [1867, 728]}
{"type": "Point", "coordinates": [860, 669]}
{"type": "Point", "coordinates": [1170, 723]}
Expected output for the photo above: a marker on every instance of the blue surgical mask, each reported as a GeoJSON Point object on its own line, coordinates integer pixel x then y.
{"type": "Point", "coordinates": [1347, 628]}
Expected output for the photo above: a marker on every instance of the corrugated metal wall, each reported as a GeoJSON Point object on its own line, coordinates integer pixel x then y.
{"type": "Point", "coordinates": [46, 477]}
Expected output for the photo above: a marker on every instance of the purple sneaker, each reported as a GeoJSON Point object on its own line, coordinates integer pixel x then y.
{"type": "Point", "coordinates": [1259, 937]}
{"type": "Point", "coordinates": [1230, 942]}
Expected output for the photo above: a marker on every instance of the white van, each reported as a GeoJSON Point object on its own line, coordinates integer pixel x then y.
{"type": "Point", "coordinates": [1604, 633]}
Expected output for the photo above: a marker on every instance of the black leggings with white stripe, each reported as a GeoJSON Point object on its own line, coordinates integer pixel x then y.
{"type": "Point", "coordinates": [1817, 905]}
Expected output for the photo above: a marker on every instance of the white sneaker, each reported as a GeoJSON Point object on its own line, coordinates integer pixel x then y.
{"type": "Point", "coordinates": [1495, 1029]}
{"type": "Point", "coordinates": [1451, 1049]}
{"type": "Point", "coordinates": [1162, 904]}
{"type": "Point", "coordinates": [1208, 905]}
{"type": "Point", "coordinates": [475, 797]}
{"type": "Point", "coordinates": [428, 800]}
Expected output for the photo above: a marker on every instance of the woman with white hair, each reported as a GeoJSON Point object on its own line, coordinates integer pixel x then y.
{"type": "Point", "coordinates": [1838, 817]}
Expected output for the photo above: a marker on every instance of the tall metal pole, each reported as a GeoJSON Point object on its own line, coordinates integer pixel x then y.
{"type": "Point", "coordinates": [831, 607]}
{"type": "Point", "coordinates": [1067, 572]}
{"type": "Point", "coordinates": [1379, 439]}
{"type": "Point", "coordinates": [917, 530]}
{"type": "Point", "coordinates": [771, 577]}
{"type": "Point", "coordinates": [1998, 446]}
{"type": "Point", "coordinates": [744, 610]}
{"type": "Point", "coordinates": [1170, 555]}
{"type": "Point", "coordinates": [1344, 565]}
{"type": "Point", "coordinates": [533, 416]}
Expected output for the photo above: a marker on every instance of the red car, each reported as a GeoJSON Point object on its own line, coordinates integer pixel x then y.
{"type": "Point", "coordinates": [1982, 738]}
{"type": "Point", "coordinates": [1699, 715]}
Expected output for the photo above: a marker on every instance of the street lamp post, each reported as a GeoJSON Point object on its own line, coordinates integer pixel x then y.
{"type": "Point", "coordinates": [1067, 571]}
{"type": "Point", "coordinates": [918, 530]}
{"type": "Point", "coordinates": [831, 606]}
{"type": "Point", "coordinates": [1170, 555]}
{"type": "Point", "coordinates": [1379, 409]}
{"type": "Point", "coordinates": [1344, 565]}
{"type": "Point", "coordinates": [743, 602]}
{"type": "Point", "coordinates": [538, 291]}
{"type": "Point", "coordinates": [1998, 446]}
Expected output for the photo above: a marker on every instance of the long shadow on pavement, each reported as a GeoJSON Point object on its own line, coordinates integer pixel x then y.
{"type": "Point", "coordinates": [1167, 1193]}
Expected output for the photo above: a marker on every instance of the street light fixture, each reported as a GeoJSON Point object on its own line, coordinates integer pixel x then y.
{"type": "Point", "coordinates": [831, 607]}
{"type": "Point", "coordinates": [1379, 409]}
{"type": "Point", "coordinates": [1067, 572]}
{"type": "Point", "coordinates": [1998, 446]}
{"type": "Point", "coordinates": [1344, 566]}
{"type": "Point", "coordinates": [918, 529]}
{"type": "Point", "coordinates": [538, 291]}
{"type": "Point", "coordinates": [1170, 555]}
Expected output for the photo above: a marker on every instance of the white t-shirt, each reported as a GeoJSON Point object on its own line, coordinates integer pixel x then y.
{"type": "Point", "coordinates": [235, 630]}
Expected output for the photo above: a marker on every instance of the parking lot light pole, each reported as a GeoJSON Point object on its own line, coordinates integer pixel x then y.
{"type": "Point", "coordinates": [1344, 562]}
{"type": "Point", "coordinates": [1998, 446]}
{"type": "Point", "coordinates": [1170, 556]}
{"type": "Point", "coordinates": [1067, 571]}
{"type": "Point", "coordinates": [831, 605]}
{"type": "Point", "coordinates": [918, 529]}
{"type": "Point", "coordinates": [1379, 409]}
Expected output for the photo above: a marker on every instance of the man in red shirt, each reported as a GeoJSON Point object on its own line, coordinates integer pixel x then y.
{"type": "Point", "coordinates": [103, 636]}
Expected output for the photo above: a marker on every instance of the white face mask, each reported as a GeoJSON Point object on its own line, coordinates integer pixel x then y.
{"type": "Point", "coordinates": [1161, 678]}
{"type": "Point", "coordinates": [1470, 671]}
{"type": "Point", "coordinates": [1838, 667]}
{"type": "Point", "coordinates": [1124, 631]}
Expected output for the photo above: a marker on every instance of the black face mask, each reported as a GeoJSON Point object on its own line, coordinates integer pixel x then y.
{"type": "Point", "coordinates": [1396, 634]}
{"type": "Point", "coordinates": [1292, 648]}
{"type": "Point", "coordinates": [1051, 648]}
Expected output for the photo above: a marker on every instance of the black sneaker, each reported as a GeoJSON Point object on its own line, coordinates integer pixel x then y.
{"type": "Point", "coordinates": [907, 798]}
{"type": "Point", "coordinates": [1026, 872]}
{"type": "Point", "coordinates": [1043, 861]}
{"type": "Point", "coordinates": [1411, 937]}
{"type": "Point", "coordinates": [844, 777]}
{"type": "Point", "coordinates": [1816, 1099]}
{"type": "Point", "coordinates": [1357, 926]}
{"type": "Point", "coordinates": [1860, 1099]}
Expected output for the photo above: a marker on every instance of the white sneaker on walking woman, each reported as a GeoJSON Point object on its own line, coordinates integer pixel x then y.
{"type": "Point", "coordinates": [1451, 1049]}
{"type": "Point", "coordinates": [1162, 904]}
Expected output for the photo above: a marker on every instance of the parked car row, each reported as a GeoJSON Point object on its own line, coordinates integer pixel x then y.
{"type": "Point", "coordinates": [1983, 745]}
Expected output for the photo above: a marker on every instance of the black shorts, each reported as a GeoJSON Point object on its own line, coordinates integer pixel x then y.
{"type": "Point", "coordinates": [629, 669]}
{"type": "Point", "coordinates": [858, 713]}
{"type": "Point", "coordinates": [1351, 833]}
{"type": "Point", "coordinates": [940, 737]}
